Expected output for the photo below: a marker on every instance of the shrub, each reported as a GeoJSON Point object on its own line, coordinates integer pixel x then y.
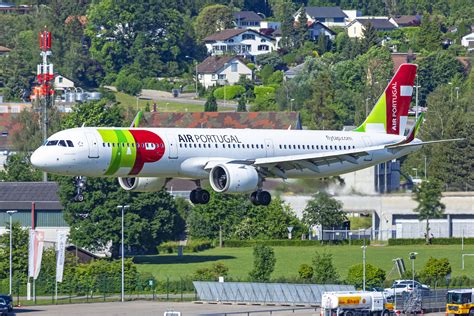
{"type": "Point", "coordinates": [231, 243]}
{"type": "Point", "coordinates": [324, 270]}
{"type": "Point", "coordinates": [374, 276]}
{"type": "Point", "coordinates": [128, 83]}
{"type": "Point", "coordinates": [155, 84]}
{"type": "Point", "coordinates": [211, 273]}
{"type": "Point", "coordinates": [191, 246]}
{"type": "Point", "coordinates": [305, 272]}
{"type": "Point", "coordinates": [231, 92]}
{"type": "Point", "coordinates": [435, 241]}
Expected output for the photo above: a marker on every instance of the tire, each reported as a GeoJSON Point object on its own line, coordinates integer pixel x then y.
{"type": "Point", "coordinates": [471, 312]}
{"type": "Point", "coordinates": [264, 198]}
{"type": "Point", "coordinates": [253, 198]}
{"type": "Point", "coordinates": [79, 198]}
{"type": "Point", "coordinates": [193, 197]}
{"type": "Point", "coordinates": [386, 313]}
{"type": "Point", "coordinates": [348, 313]}
{"type": "Point", "coordinates": [203, 196]}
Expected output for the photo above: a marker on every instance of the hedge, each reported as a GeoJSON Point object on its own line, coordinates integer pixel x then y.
{"type": "Point", "coordinates": [232, 243]}
{"type": "Point", "coordinates": [263, 90]}
{"type": "Point", "coordinates": [231, 92]}
{"type": "Point", "coordinates": [191, 246]}
{"type": "Point", "coordinates": [434, 241]}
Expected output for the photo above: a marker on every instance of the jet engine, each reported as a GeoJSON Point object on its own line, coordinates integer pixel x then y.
{"type": "Point", "coordinates": [142, 184]}
{"type": "Point", "coordinates": [233, 178]}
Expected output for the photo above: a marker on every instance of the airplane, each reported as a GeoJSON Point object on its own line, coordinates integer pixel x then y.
{"type": "Point", "coordinates": [234, 160]}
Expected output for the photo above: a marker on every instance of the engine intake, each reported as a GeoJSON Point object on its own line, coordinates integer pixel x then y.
{"type": "Point", "coordinates": [233, 178]}
{"type": "Point", "coordinates": [142, 184]}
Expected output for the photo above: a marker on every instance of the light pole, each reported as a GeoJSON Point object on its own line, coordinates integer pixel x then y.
{"type": "Point", "coordinates": [291, 104]}
{"type": "Point", "coordinates": [416, 172]}
{"type": "Point", "coordinates": [364, 247]}
{"type": "Point", "coordinates": [123, 207]}
{"type": "Point", "coordinates": [11, 212]}
{"type": "Point", "coordinates": [412, 258]}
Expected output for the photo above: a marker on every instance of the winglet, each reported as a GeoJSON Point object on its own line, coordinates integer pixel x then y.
{"type": "Point", "coordinates": [137, 119]}
{"type": "Point", "coordinates": [414, 130]}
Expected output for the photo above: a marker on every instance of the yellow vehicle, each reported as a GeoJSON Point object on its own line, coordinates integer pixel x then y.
{"type": "Point", "coordinates": [460, 302]}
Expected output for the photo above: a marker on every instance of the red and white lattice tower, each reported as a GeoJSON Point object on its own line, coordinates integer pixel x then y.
{"type": "Point", "coordinates": [45, 72]}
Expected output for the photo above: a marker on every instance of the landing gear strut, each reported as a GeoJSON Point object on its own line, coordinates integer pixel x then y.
{"type": "Point", "coordinates": [80, 183]}
{"type": "Point", "coordinates": [260, 198]}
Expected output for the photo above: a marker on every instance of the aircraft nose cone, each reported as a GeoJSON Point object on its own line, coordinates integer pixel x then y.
{"type": "Point", "coordinates": [37, 160]}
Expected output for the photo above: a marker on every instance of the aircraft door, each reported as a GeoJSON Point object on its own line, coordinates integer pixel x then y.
{"type": "Point", "coordinates": [173, 147]}
{"type": "Point", "coordinates": [269, 147]}
{"type": "Point", "coordinates": [367, 143]}
{"type": "Point", "coordinates": [93, 145]}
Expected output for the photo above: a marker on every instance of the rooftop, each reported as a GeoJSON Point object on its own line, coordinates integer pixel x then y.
{"type": "Point", "coordinates": [377, 23]}
{"type": "Point", "coordinates": [247, 16]}
{"type": "Point", "coordinates": [213, 63]}
{"type": "Point", "coordinates": [325, 12]}
{"type": "Point", "coordinates": [224, 35]}
{"type": "Point", "coordinates": [20, 195]}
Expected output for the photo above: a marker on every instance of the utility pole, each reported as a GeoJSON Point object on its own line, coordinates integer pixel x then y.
{"type": "Point", "coordinates": [11, 212]}
{"type": "Point", "coordinates": [364, 247]}
{"type": "Point", "coordinates": [123, 207]}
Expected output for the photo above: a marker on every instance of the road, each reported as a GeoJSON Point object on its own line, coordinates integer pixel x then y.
{"type": "Point", "coordinates": [185, 98]}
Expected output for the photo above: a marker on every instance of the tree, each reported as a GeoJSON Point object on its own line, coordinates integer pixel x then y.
{"type": "Point", "coordinates": [128, 83]}
{"type": "Point", "coordinates": [242, 106]}
{"type": "Point", "coordinates": [301, 28]}
{"type": "Point", "coordinates": [211, 103]}
{"type": "Point", "coordinates": [263, 263]}
{"type": "Point", "coordinates": [323, 268]}
{"type": "Point", "coordinates": [212, 19]}
{"type": "Point", "coordinates": [18, 168]}
{"type": "Point", "coordinates": [287, 29]}
{"type": "Point", "coordinates": [19, 253]}
{"type": "Point", "coordinates": [369, 37]}
{"type": "Point", "coordinates": [429, 34]}
{"type": "Point", "coordinates": [428, 195]}
{"type": "Point", "coordinates": [374, 276]}
{"type": "Point", "coordinates": [150, 38]}
{"type": "Point", "coordinates": [324, 210]}
{"type": "Point", "coordinates": [436, 270]}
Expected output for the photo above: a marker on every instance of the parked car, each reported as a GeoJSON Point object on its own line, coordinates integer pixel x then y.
{"type": "Point", "coordinates": [9, 300]}
{"type": "Point", "coordinates": [404, 286]}
{"type": "Point", "coordinates": [3, 307]}
{"type": "Point", "coordinates": [417, 284]}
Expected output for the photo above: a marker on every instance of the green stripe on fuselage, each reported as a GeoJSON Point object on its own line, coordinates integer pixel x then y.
{"type": "Point", "coordinates": [122, 155]}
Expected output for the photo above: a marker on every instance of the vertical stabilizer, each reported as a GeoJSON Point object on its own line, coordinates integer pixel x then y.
{"type": "Point", "coordinates": [390, 113]}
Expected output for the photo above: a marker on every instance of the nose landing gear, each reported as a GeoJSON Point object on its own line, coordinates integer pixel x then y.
{"type": "Point", "coordinates": [80, 184]}
{"type": "Point", "coordinates": [260, 198]}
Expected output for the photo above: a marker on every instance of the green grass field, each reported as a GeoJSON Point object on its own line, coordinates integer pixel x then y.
{"type": "Point", "coordinates": [239, 260]}
{"type": "Point", "coordinates": [162, 106]}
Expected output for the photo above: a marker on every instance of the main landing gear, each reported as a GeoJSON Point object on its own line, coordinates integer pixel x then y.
{"type": "Point", "coordinates": [260, 198]}
{"type": "Point", "coordinates": [199, 195]}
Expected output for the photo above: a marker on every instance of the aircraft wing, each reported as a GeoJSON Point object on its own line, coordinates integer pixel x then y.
{"type": "Point", "coordinates": [276, 166]}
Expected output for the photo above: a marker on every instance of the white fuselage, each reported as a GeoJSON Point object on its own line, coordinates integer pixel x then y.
{"type": "Point", "coordinates": [183, 153]}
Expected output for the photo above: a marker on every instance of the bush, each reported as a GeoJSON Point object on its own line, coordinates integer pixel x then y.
{"type": "Point", "coordinates": [191, 246]}
{"type": "Point", "coordinates": [211, 273]}
{"type": "Point", "coordinates": [234, 243]}
{"type": "Point", "coordinates": [155, 84]}
{"type": "Point", "coordinates": [263, 263]}
{"type": "Point", "coordinates": [374, 276]}
{"type": "Point", "coordinates": [128, 83]}
{"type": "Point", "coordinates": [435, 241]}
{"type": "Point", "coordinates": [231, 92]}
{"type": "Point", "coordinates": [305, 272]}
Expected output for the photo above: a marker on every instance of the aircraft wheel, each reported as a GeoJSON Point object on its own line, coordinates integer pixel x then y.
{"type": "Point", "coordinates": [193, 196]}
{"type": "Point", "coordinates": [264, 198]}
{"type": "Point", "coordinates": [253, 198]}
{"type": "Point", "coordinates": [203, 196]}
{"type": "Point", "coordinates": [79, 198]}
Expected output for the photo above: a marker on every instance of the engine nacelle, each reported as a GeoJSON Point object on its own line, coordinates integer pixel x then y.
{"type": "Point", "coordinates": [233, 178]}
{"type": "Point", "coordinates": [142, 184]}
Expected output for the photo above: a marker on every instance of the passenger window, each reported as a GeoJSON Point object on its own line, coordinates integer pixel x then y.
{"type": "Point", "coordinates": [69, 143]}
{"type": "Point", "coordinates": [326, 147]}
{"type": "Point", "coordinates": [181, 145]}
{"type": "Point", "coordinates": [330, 147]}
{"type": "Point", "coordinates": [233, 145]}
{"type": "Point", "coordinates": [280, 146]}
{"type": "Point", "coordinates": [216, 145]}
{"type": "Point", "coordinates": [252, 145]}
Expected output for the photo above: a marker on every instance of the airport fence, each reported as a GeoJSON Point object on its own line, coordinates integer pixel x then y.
{"type": "Point", "coordinates": [44, 291]}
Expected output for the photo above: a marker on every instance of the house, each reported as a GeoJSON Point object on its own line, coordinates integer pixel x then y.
{"type": "Point", "coordinates": [468, 41]}
{"type": "Point", "coordinates": [329, 16]}
{"type": "Point", "coordinates": [356, 28]}
{"type": "Point", "coordinates": [402, 58]}
{"type": "Point", "coordinates": [243, 42]}
{"type": "Point", "coordinates": [4, 51]}
{"type": "Point", "coordinates": [12, 8]}
{"type": "Point", "coordinates": [62, 83]}
{"type": "Point", "coordinates": [270, 25]}
{"type": "Point", "coordinates": [406, 20]}
{"type": "Point", "coordinates": [317, 28]}
{"type": "Point", "coordinates": [221, 70]}
{"type": "Point", "coordinates": [247, 20]}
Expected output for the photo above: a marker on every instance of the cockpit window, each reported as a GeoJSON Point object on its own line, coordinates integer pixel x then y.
{"type": "Point", "coordinates": [69, 143]}
{"type": "Point", "coordinates": [62, 143]}
{"type": "Point", "coordinates": [52, 143]}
